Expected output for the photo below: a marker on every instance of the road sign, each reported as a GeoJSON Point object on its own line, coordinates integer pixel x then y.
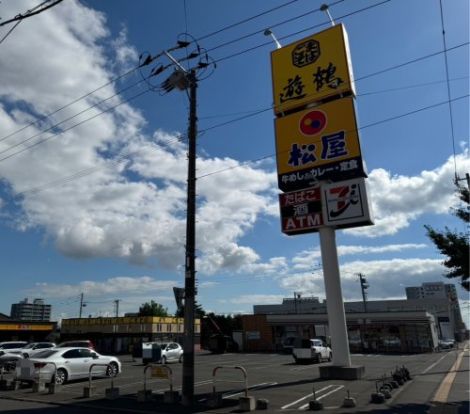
{"type": "Point", "coordinates": [345, 204]}
{"type": "Point", "coordinates": [311, 69]}
{"type": "Point", "coordinates": [318, 144]}
{"type": "Point", "coordinates": [301, 211]}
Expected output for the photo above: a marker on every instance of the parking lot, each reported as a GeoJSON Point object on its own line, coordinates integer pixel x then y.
{"type": "Point", "coordinates": [274, 377]}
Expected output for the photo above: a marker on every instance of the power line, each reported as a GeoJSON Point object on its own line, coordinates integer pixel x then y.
{"type": "Point", "coordinates": [148, 61]}
{"type": "Point", "coordinates": [358, 129]}
{"type": "Point", "coordinates": [74, 126]}
{"type": "Point", "coordinates": [52, 127]}
{"type": "Point", "coordinates": [71, 103]}
{"type": "Point", "coordinates": [448, 89]}
{"type": "Point", "coordinates": [230, 26]}
{"type": "Point", "coordinates": [124, 157]}
{"type": "Point", "coordinates": [301, 31]}
{"type": "Point", "coordinates": [290, 20]}
{"type": "Point", "coordinates": [31, 12]}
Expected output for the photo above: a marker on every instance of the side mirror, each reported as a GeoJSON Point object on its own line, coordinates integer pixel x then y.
{"type": "Point", "coordinates": [95, 356]}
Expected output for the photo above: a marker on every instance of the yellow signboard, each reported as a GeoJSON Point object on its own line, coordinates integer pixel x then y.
{"type": "Point", "coordinates": [311, 69]}
{"type": "Point", "coordinates": [318, 144]}
{"type": "Point", "coordinates": [159, 372]}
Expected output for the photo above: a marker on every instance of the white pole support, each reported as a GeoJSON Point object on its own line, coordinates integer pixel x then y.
{"type": "Point", "coordinates": [334, 298]}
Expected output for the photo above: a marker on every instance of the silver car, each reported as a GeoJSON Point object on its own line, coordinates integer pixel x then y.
{"type": "Point", "coordinates": [171, 351]}
{"type": "Point", "coordinates": [65, 364]}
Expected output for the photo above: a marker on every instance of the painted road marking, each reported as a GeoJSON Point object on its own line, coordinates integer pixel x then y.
{"type": "Point", "coordinates": [253, 387]}
{"type": "Point", "coordinates": [435, 363]}
{"type": "Point", "coordinates": [303, 398]}
{"type": "Point", "coordinates": [305, 406]}
{"type": "Point", "coordinates": [443, 391]}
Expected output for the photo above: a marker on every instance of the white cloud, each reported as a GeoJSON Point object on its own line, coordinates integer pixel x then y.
{"type": "Point", "coordinates": [397, 200]}
{"type": "Point", "coordinates": [112, 286]}
{"type": "Point", "coordinates": [256, 299]}
{"type": "Point", "coordinates": [306, 259]}
{"type": "Point", "coordinates": [108, 213]}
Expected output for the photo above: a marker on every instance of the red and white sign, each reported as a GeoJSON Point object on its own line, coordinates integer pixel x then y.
{"type": "Point", "coordinates": [345, 204]}
{"type": "Point", "coordinates": [301, 211]}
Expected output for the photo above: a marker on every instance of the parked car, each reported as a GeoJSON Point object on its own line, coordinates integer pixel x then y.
{"type": "Point", "coordinates": [12, 346]}
{"type": "Point", "coordinates": [81, 343]}
{"type": "Point", "coordinates": [33, 348]}
{"type": "Point", "coordinates": [311, 350]}
{"type": "Point", "coordinates": [171, 351]}
{"type": "Point", "coordinates": [446, 343]}
{"type": "Point", "coordinates": [71, 363]}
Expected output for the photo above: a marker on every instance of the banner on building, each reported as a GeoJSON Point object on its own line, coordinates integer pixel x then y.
{"type": "Point", "coordinates": [311, 69]}
{"type": "Point", "coordinates": [318, 144]}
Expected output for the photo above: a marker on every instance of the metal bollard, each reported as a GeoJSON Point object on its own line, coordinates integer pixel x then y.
{"type": "Point", "coordinates": [88, 391]}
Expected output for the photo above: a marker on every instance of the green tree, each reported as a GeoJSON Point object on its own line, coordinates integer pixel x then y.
{"type": "Point", "coordinates": [152, 308]}
{"type": "Point", "coordinates": [453, 244]}
{"type": "Point", "coordinates": [199, 312]}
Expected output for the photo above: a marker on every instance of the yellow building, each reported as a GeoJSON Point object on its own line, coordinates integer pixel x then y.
{"type": "Point", "coordinates": [123, 334]}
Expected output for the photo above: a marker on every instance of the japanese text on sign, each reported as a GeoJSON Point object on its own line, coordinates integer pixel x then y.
{"type": "Point", "coordinates": [311, 69]}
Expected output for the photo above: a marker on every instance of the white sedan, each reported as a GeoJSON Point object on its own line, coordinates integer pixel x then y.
{"type": "Point", "coordinates": [66, 364]}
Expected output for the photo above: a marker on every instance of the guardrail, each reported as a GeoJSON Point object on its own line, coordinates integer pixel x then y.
{"type": "Point", "coordinates": [245, 378]}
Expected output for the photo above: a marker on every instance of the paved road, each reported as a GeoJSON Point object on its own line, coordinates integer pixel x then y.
{"type": "Point", "coordinates": [440, 384]}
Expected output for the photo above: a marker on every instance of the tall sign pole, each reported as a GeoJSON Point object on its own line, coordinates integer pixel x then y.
{"type": "Point", "coordinates": [190, 268]}
{"type": "Point", "coordinates": [334, 301]}
{"type": "Point", "coordinates": [319, 161]}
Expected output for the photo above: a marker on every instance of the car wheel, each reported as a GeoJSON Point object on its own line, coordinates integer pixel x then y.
{"type": "Point", "coordinates": [61, 376]}
{"type": "Point", "coordinates": [318, 358]}
{"type": "Point", "coordinates": [330, 357]}
{"type": "Point", "coordinates": [181, 359]}
{"type": "Point", "coordinates": [163, 360]}
{"type": "Point", "coordinates": [112, 370]}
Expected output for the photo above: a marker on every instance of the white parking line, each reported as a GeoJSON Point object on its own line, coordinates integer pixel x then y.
{"type": "Point", "coordinates": [305, 406]}
{"type": "Point", "coordinates": [303, 398]}
{"type": "Point", "coordinates": [435, 363]}
{"type": "Point", "coordinates": [253, 387]}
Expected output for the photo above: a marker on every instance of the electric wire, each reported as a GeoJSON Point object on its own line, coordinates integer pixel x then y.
{"type": "Point", "coordinates": [358, 129]}
{"type": "Point", "coordinates": [451, 117]}
{"type": "Point", "coordinates": [9, 31]}
{"type": "Point", "coordinates": [230, 26]}
{"type": "Point", "coordinates": [290, 20]}
{"type": "Point", "coordinates": [300, 31]}
{"type": "Point", "coordinates": [74, 126]}
{"type": "Point", "coordinates": [31, 12]}
{"type": "Point", "coordinates": [52, 127]}
{"type": "Point", "coordinates": [364, 77]}
{"type": "Point", "coordinates": [43, 117]}
{"type": "Point", "coordinates": [125, 157]}
{"type": "Point", "coordinates": [138, 67]}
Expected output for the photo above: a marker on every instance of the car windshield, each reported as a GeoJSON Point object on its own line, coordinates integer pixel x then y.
{"type": "Point", "coordinates": [45, 354]}
{"type": "Point", "coordinates": [29, 345]}
{"type": "Point", "coordinates": [12, 346]}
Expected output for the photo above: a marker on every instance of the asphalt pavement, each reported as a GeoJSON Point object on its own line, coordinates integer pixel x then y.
{"type": "Point", "coordinates": [439, 384]}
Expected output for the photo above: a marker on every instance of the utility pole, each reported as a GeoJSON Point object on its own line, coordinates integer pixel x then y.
{"type": "Point", "coordinates": [364, 287]}
{"type": "Point", "coordinates": [81, 305]}
{"type": "Point", "coordinates": [186, 79]}
{"type": "Point", "coordinates": [116, 304]}
{"type": "Point", "coordinates": [190, 268]}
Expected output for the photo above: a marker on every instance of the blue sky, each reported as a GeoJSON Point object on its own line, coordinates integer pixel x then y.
{"type": "Point", "coordinates": [100, 208]}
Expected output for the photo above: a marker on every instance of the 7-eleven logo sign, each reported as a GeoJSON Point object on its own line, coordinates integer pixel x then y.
{"type": "Point", "coordinates": [345, 204]}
